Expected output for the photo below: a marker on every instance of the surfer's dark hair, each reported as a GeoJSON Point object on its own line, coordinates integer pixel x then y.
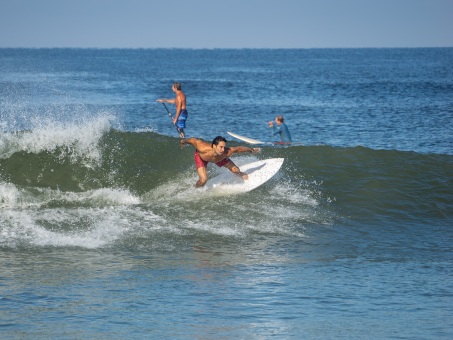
{"type": "Point", "coordinates": [217, 140]}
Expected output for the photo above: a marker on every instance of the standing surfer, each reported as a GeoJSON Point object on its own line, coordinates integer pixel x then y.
{"type": "Point", "coordinates": [181, 109]}
{"type": "Point", "coordinates": [215, 152]}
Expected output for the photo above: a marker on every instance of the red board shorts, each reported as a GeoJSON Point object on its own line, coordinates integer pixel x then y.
{"type": "Point", "coordinates": [202, 163]}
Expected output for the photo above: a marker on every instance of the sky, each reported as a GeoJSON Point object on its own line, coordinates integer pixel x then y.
{"type": "Point", "coordinates": [226, 23]}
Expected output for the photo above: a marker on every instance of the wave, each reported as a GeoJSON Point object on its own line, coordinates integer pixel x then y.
{"type": "Point", "coordinates": [88, 184]}
{"type": "Point", "coordinates": [93, 156]}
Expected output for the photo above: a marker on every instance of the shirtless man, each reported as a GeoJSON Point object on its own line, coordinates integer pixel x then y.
{"type": "Point", "coordinates": [181, 109]}
{"type": "Point", "coordinates": [217, 153]}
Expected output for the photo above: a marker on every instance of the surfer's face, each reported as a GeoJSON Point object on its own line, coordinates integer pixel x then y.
{"type": "Point", "coordinates": [219, 148]}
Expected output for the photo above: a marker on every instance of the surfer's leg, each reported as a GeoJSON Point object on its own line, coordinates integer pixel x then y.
{"type": "Point", "coordinates": [181, 133]}
{"type": "Point", "coordinates": [235, 170]}
{"type": "Point", "coordinates": [201, 169]}
{"type": "Point", "coordinates": [203, 174]}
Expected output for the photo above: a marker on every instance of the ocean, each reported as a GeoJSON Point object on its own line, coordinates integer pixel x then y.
{"type": "Point", "coordinates": [103, 235]}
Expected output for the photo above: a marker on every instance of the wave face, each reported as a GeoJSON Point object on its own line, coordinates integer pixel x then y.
{"type": "Point", "coordinates": [87, 184]}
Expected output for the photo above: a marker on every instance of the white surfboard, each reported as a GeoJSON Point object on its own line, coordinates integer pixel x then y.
{"type": "Point", "coordinates": [245, 139]}
{"type": "Point", "coordinates": [259, 172]}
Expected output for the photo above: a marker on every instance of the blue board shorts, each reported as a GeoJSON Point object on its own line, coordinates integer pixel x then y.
{"type": "Point", "coordinates": [181, 122]}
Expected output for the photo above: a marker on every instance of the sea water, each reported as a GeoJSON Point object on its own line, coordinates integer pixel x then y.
{"type": "Point", "coordinates": [103, 235]}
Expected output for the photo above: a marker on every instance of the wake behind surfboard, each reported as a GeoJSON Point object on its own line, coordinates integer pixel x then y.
{"type": "Point", "coordinates": [259, 172]}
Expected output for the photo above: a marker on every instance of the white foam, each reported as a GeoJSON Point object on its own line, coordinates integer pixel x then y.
{"type": "Point", "coordinates": [109, 196]}
{"type": "Point", "coordinates": [217, 228]}
{"type": "Point", "coordinates": [295, 194]}
{"type": "Point", "coordinates": [8, 195]}
{"type": "Point", "coordinates": [12, 197]}
{"type": "Point", "coordinates": [89, 219]}
{"type": "Point", "coordinates": [145, 129]}
{"type": "Point", "coordinates": [86, 227]}
{"type": "Point", "coordinates": [79, 139]}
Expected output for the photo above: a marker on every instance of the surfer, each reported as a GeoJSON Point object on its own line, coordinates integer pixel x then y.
{"type": "Point", "coordinates": [181, 110]}
{"type": "Point", "coordinates": [215, 152]}
{"type": "Point", "coordinates": [281, 129]}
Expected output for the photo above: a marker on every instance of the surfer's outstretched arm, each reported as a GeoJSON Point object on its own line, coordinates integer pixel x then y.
{"type": "Point", "coordinates": [239, 149]}
{"type": "Point", "coordinates": [200, 145]}
{"type": "Point", "coordinates": [197, 143]}
{"type": "Point", "coordinates": [191, 141]}
{"type": "Point", "coordinates": [184, 141]}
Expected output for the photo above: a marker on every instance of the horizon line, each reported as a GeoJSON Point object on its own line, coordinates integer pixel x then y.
{"type": "Point", "coordinates": [218, 48]}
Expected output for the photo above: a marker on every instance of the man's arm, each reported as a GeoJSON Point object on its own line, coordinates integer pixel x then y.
{"type": "Point", "coordinates": [185, 141]}
{"type": "Point", "coordinates": [197, 143]}
{"type": "Point", "coordinates": [276, 130]}
{"type": "Point", "coordinates": [239, 149]}
{"type": "Point", "coordinates": [170, 101]}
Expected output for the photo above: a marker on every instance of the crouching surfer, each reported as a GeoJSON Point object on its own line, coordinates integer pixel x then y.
{"type": "Point", "coordinates": [216, 152]}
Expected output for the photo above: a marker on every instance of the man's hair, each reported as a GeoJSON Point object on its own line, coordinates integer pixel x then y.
{"type": "Point", "coordinates": [217, 140]}
{"type": "Point", "coordinates": [280, 119]}
{"type": "Point", "coordinates": [177, 86]}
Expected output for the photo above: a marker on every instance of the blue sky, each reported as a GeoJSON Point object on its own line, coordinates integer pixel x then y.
{"type": "Point", "coordinates": [226, 23]}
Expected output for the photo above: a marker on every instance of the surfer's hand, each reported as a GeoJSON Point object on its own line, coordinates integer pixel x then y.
{"type": "Point", "coordinates": [182, 143]}
{"type": "Point", "coordinates": [256, 150]}
{"type": "Point", "coordinates": [243, 175]}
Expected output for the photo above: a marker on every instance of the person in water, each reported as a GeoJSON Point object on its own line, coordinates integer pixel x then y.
{"type": "Point", "coordinates": [215, 152]}
{"type": "Point", "coordinates": [281, 129]}
{"type": "Point", "coordinates": [181, 113]}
